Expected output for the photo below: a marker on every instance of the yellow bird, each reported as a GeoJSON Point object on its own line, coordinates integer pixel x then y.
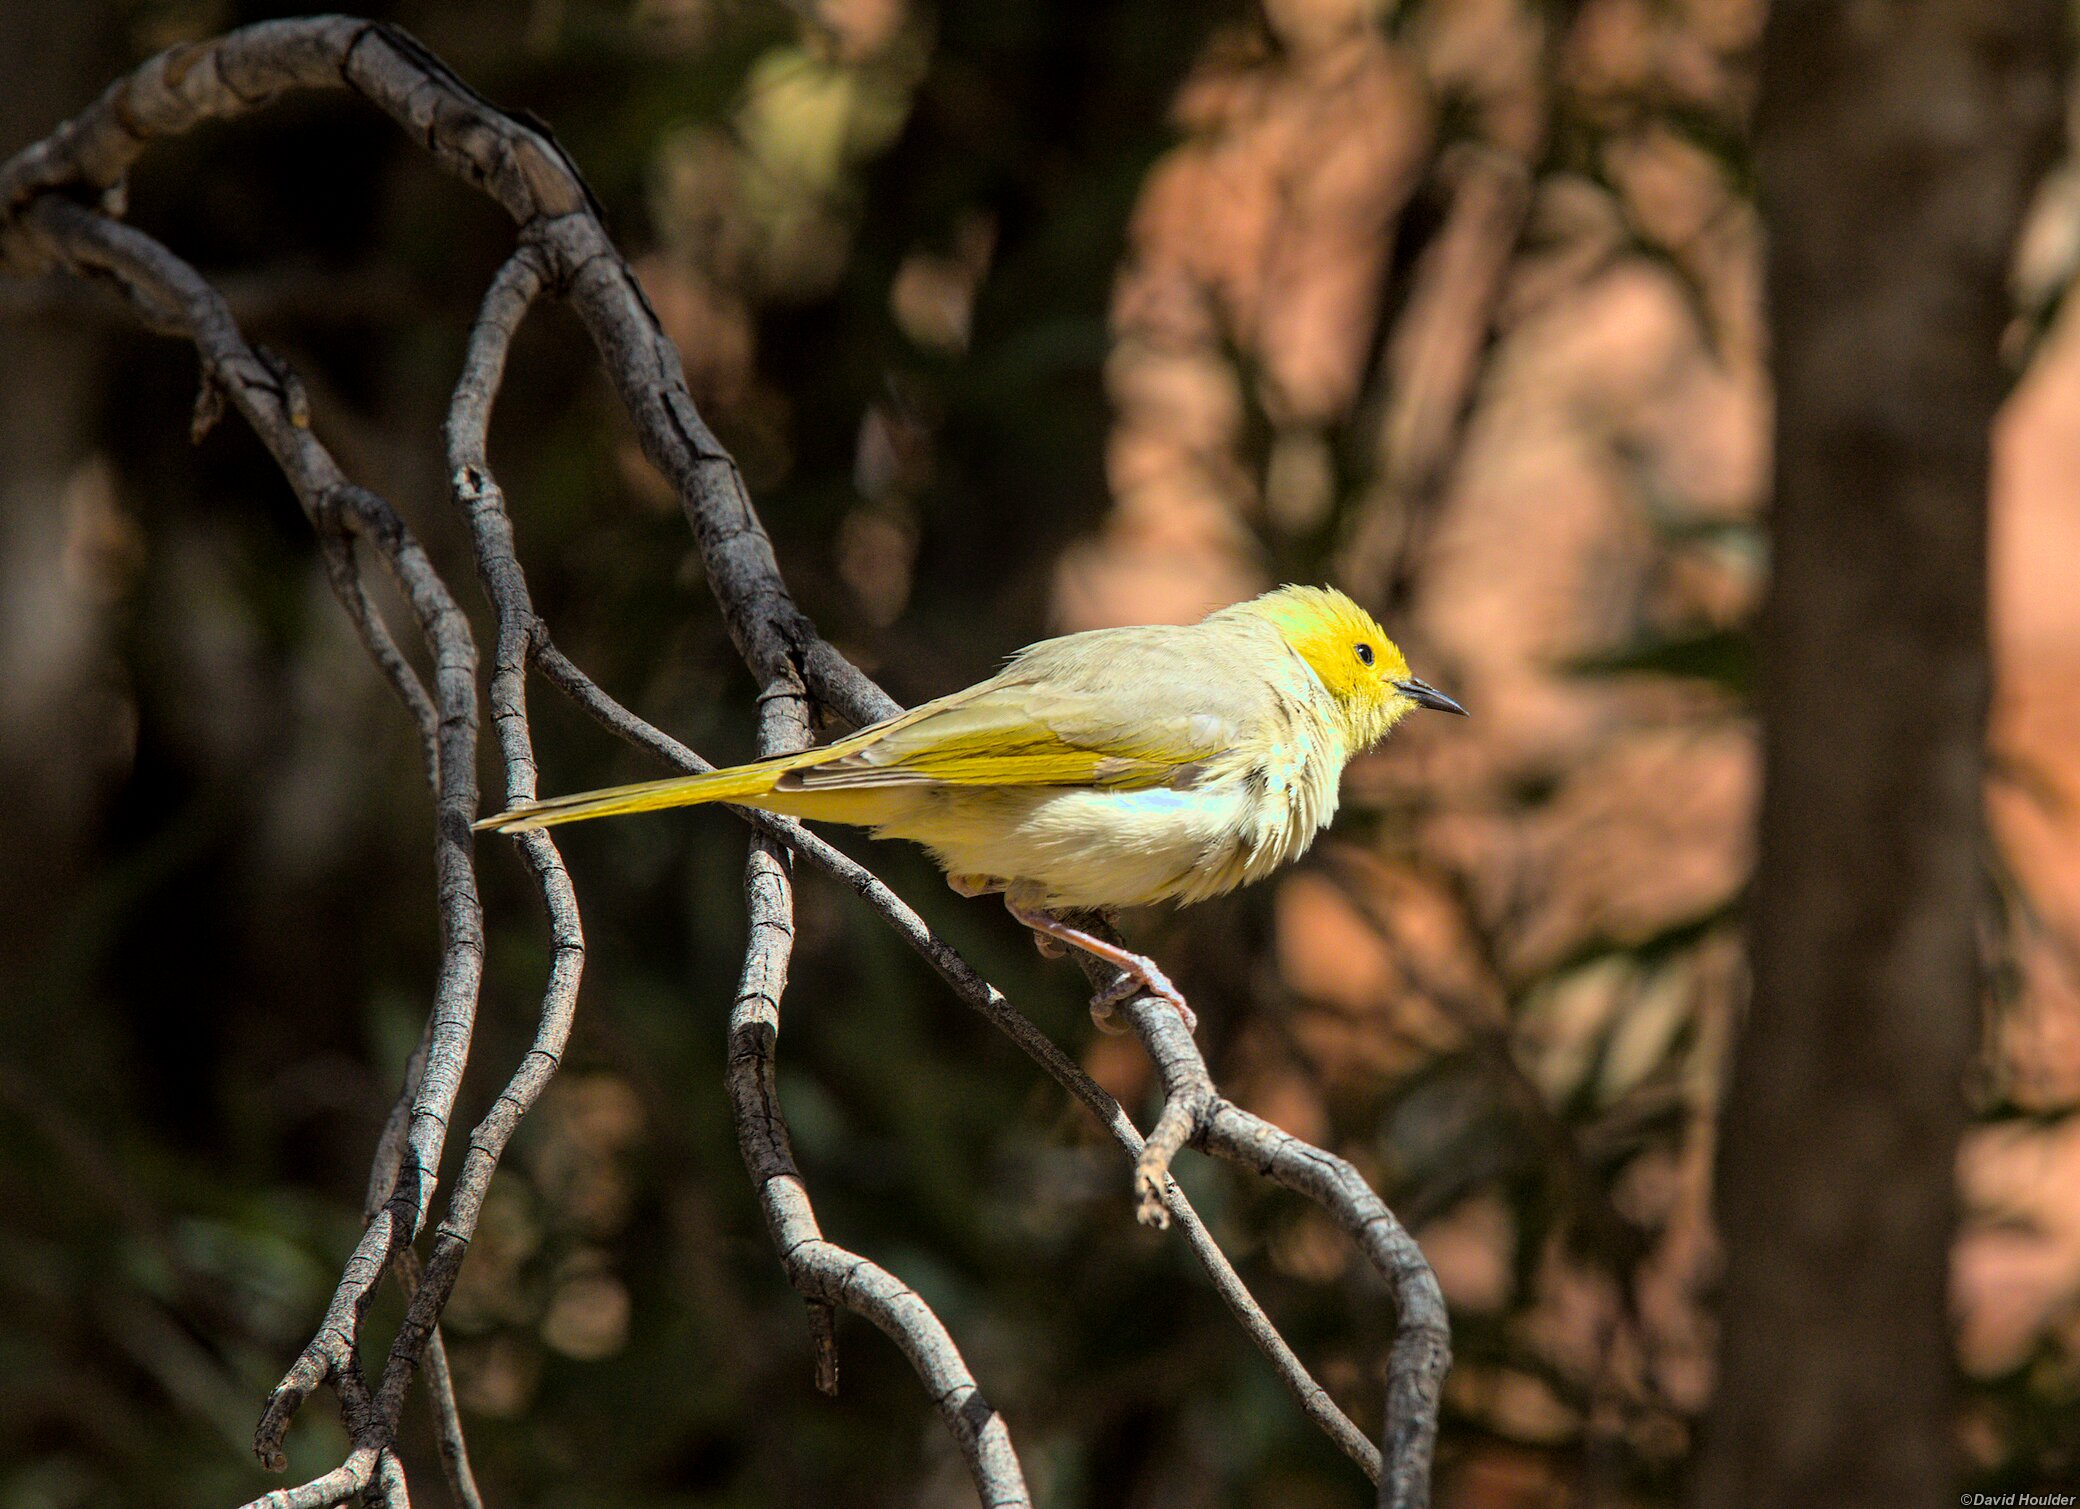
{"type": "Point", "coordinates": [1113, 768]}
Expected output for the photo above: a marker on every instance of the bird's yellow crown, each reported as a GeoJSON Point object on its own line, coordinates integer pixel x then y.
{"type": "Point", "coordinates": [1347, 649]}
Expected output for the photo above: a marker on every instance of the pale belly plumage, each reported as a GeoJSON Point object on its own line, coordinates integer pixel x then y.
{"type": "Point", "coordinates": [1079, 847]}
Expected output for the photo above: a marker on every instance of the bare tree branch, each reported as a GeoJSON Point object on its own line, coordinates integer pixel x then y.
{"type": "Point", "coordinates": [454, 1448]}
{"type": "Point", "coordinates": [564, 249]}
{"type": "Point", "coordinates": [1196, 1114]}
{"type": "Point", "coordinates": [820, 1269]}
{"type": "Point", "coordinates": [266, 394]}
{"type": "Point", "coordinates": [825, 1273]}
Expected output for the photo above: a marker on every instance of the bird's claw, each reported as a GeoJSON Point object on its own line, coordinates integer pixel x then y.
{"type": "Point", "coordinates": [1131, 983]}
{"type": "Point", "coordinates": [1137, 975]}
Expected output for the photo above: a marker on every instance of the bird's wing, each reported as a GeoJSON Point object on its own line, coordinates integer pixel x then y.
{"type": "Point", "coordinates": [1032, 730]}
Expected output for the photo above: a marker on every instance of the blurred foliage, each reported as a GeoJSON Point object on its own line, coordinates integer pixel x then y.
{"type": "Point", "coordinates": [1019, 317]}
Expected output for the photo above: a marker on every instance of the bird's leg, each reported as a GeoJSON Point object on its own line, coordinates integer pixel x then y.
{"type": "Point", "coordinates": [1139, 974]}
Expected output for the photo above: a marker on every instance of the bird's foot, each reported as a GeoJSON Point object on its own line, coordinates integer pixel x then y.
{"type": "Point", "coordinates": [973, 885]}
{"type": "Point", "coordinates": [1142, 977]}
{"type": "Point", "coordinates": [1139, 974]}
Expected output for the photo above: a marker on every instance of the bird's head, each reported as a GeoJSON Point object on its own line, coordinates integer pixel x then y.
{"type": "Point", "coordinates": [1365, 672]}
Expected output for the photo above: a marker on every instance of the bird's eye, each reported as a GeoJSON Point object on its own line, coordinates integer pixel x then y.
{"type": "Point", "coordinates": [1365, 654]}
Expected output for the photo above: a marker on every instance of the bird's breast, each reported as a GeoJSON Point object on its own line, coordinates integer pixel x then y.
{"type": "Point", "coordinates": [1290, 795]}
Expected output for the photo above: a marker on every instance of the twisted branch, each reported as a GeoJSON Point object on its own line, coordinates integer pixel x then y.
{"type": "Point", "coordinates": [1196, 1114]}
{"type": "Point", "coordinates": [267, 395]}
{"type": "Point", "coordinates": [47, 193]}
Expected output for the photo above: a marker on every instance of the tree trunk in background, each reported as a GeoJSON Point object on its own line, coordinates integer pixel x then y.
{"type": "Point", "coordinates": [1898, 144]}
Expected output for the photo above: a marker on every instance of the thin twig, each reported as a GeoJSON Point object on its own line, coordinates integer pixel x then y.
{"type": "Point", "coordinates": [1421, 1353]}
{"type": "Point", "coordinates": [447, 1416]}
{"type": "Point", "coordinates": [440, 1394]}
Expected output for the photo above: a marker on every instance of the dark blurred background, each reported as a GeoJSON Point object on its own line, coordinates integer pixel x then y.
{"type": "Point", "coordinates": [1021, 318]}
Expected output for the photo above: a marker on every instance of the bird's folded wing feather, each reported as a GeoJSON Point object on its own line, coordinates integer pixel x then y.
{"type": "Point", "coordinates": [1014, 732]}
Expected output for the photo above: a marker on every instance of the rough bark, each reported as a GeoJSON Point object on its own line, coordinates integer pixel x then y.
{"type": "Point", "coordinates": [1898, 143]}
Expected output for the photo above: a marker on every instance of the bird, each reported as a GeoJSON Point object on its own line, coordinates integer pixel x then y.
{"type": "Point", "coordinates": [1111, 768]}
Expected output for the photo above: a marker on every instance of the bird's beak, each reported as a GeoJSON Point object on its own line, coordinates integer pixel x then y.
{"type": "Point", "coordinates": [1424, 695]}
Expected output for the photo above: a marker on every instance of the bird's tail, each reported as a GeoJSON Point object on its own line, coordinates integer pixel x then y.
{"type": "Point", "coordinates": [733, 784]}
